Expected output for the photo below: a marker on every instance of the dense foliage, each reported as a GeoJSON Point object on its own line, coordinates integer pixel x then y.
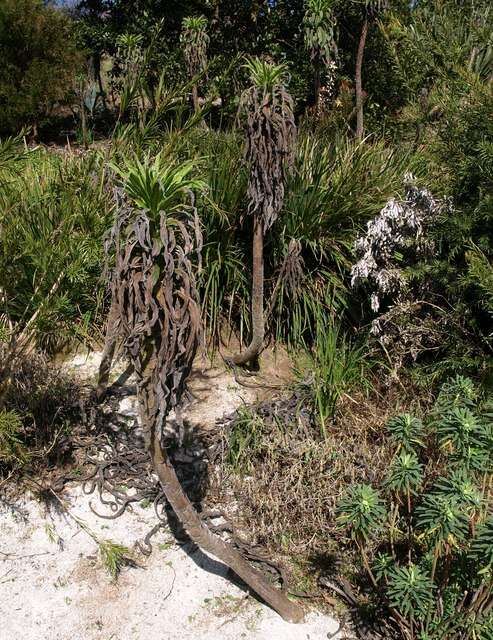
{"type": "Point", "coordinates": [374, 232]}
{"type": "Point", "coordinates": [39, 61]}
{"type": "Point", "coordinates": [429, 527]}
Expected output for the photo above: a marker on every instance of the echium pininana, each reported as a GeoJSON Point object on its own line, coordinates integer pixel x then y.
{"type": "Point", "coordinates": [398, 229]}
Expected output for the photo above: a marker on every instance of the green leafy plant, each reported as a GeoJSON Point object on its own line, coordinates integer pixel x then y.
{"type": "Point", "coordinates": [410, 590]}
{"type": "Point", "coordinates": [114, 556]}
{"type": "Point", "coordinates": [156, 184]}
{"type": "Point", "coordinates": [335, 364]}
{"type": "Point", "coordinates": [319, 30]}
{"type": "Point", "coordinates": [405, 474]}
{"type": "Point", "coordinates": [12, 447]}
{"type": "Point", "coordinates": [434, 535]}
{"type": "Point", "coordinates": [40, 59]}
{"type": "Point", "coordinates": [407, 431]}
{"type": "Point", "coordinates": [362, 511]}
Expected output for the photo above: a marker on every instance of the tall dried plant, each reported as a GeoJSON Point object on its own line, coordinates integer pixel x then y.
{"type": "Point", "coordinates": [194, 39]}
{"type": "Point", "coordinates": [271, 134]}
{"type": "Point", "coordinates": [156, 315]}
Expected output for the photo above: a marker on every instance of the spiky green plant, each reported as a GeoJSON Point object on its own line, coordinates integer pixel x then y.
{"type": "Point", "coordinates": [362, 512]}
{"type": "Point", "coordinates": [460, 485]}
{"type": "Point", "coordinates": [461, 433]}
{"type": "Point", "coordinates": [434, 570]}
{"type": "Point", "coordinates": [405, 474]}
{"type": "Point", "coordinates": [156, 184]}
{"type": "Point", "coordinates": [459, 392]}
{"type": "Point", "coordinates": [442, 519]}
{"type": "Point", "coordinates": [410, 591]}
{"type": "Point", "coordinates": [407, 431]}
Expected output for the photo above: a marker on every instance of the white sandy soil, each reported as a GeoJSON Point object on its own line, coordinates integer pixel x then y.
{"type": "Point", "coordinates": [53, 585]}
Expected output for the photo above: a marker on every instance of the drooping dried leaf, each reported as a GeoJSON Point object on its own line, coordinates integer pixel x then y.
{"type": "Point", "coordinates": [271, 131]}
{"type": "Point", "coordinates": [153, 287]}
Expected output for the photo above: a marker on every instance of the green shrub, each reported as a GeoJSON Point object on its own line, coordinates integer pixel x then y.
{"type": "Point", "coordinates": [12, 449]}
{"type": "Point", "coordinates": [54, 212]}
{"type": "Point", "coordinates": [434, 563]}
{"type": "Point", "coordinates": [39, 59]}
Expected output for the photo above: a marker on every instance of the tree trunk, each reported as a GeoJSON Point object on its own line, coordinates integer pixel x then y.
{"type": "Point", "coordinates": [358, 85]}
{"type": "Point", "coordinates": [196, 105]}
{"type": "Point", "coordinates": [99, 79]}
{"type": "Point", "coordinates": [255, 347]}
{"type": "Point", "coordinates": [196, 529]}
{"type": "Point", "coordinates": [83, 119]}
{"type": "Point", "coordinates": [316, 84]}
{"type": "Point", "coordinates": [108, 353]}
{"type": "Point", "coordinates": [195, 99]}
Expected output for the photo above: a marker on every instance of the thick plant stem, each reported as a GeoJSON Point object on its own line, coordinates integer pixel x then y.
{"type": "Point", "coordinates": [195, 99]}
{"type": "Point", "coordinates": [196, 105]}
{"type": "Point", "coordinates": [358, 83]}
{"type": "Point", "coordinates": [108, 353]}
{"type": "Point", "coordinates": [253, 350]}
{"type": "Point", "coordinates": [207, 541]}
{"type": "Point", "coordinates": [316, 82]}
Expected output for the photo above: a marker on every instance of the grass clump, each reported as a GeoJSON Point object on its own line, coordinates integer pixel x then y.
{"type": "Point", "coordinates": [335, 365]}
{"type": "Point", "coordinates": [114, 557]}
{"type": "Point", "coordinates": [40, 411]}
{"type": "Point", "coordinates": [288, 475]}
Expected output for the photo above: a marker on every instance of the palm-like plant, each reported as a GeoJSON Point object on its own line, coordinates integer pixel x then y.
{"type": "Point", "coordinates": [271, 132]}
{"type": "Point", "coordinates": [319, 27]}
{"type": "Point", "coordinates": [156, 315]}
{"type": "Point", "coordinates": [156, 187]}
{"type": "Point", "coordinates": [194, 39]}
{"type": "Point", "coordinates": [133, 60]}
